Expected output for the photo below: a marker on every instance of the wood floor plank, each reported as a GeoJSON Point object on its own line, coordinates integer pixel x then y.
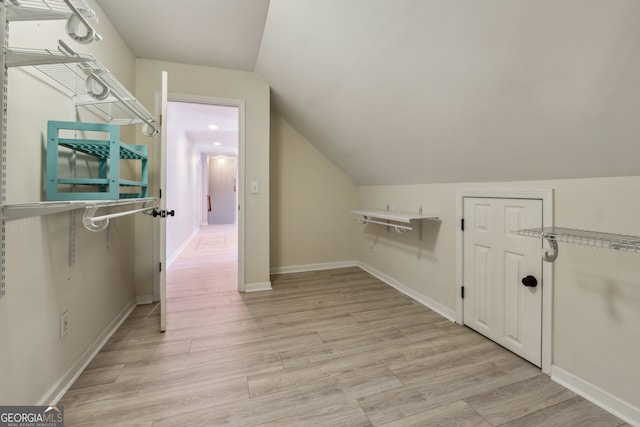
{"type": "Point", "coordinates": [519, 399]}
{"type": "Point", "coordinates": [575, 412]}
{"type": "Point", "coordinates": [355, 376]}
{"type": "Point", "coordinates": [323, 348]}
{"type": "Point", "coordinates": [458, 414]}
{"type": "Point", "coordinates": [347, 414]}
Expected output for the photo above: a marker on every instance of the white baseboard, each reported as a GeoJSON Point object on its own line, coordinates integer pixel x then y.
{"type": "Point", "coordinates": [313, 267]}
{"type": "Point", "coordinates": [182, 247]}
{"type": "Point", "coordinates": [610, 403]}
{"type": "Point", "coordinates": [257, 287]}
{"type": "Point", "coordinates": [60, 387]}
{"type": "Point", "coordinates": [428, 302]}
{"type": "Point", "coordinates": [144, 299]}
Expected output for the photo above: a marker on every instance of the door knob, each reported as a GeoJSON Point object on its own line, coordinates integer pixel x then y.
{"type": "Point", "coordinates": [163, 213]}
{"type": "Point", "coordinates": [530, 281]}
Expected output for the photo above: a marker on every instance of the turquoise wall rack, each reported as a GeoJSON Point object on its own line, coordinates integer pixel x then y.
{"type": "Point", "coordinates": [108, 153]}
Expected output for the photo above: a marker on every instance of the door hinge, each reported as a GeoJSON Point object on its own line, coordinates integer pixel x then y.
{"type": "Point", "coordinates": [160, 119]}
{"type": "Point", "coordinates": [160, 197]}
{"type": "Point", "coordinates": [160, 267]}
{"type": "Point", "coordinates": [462, 292]}
{"type": "Point", "coordinates": [462, 224]}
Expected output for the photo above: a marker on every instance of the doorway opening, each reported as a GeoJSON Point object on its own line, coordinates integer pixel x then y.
{"type": "Point", "coordinates": [203, 167]}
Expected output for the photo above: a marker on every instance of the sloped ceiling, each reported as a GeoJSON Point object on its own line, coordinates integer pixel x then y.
{"type": "Point", "coordinates": [421, 91]}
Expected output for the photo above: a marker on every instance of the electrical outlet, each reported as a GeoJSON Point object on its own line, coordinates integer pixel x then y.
{"type": "Point", "coordinates": [64, 324]}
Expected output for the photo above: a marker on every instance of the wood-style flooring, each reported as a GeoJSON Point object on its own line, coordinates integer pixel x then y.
{"type": "Point", "coordinates": [326, 348]}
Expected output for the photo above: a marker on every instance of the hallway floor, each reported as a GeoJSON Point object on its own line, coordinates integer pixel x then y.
{"type": "Point", "coordinates": [326, 348]}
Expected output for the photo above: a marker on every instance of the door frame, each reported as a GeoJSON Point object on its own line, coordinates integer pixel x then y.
{"type": "Point", "coordinates": [547, 267]}
{"type": "Point", "coordinates": [241, 105]}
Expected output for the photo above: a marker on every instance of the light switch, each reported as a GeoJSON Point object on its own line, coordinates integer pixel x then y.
{"type": "Point", "coordinates": [254, 188]}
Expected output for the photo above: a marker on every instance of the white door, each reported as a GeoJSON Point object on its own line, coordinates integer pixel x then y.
{"type": "Point", "coordinates": [496, 259]}
{"type": "Point", "coordinates": [162, 223]}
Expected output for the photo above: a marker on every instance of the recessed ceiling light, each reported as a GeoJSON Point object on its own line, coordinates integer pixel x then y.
{"type": "Point", "coordinates": [217, 143]}
{"type": "Point", "coordinates": [213, 127]}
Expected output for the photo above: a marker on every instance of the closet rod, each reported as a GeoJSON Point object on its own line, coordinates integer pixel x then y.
{"type": "Point", "coordinates": [99, 223]}
{"type": "Point", "coordinates": [398, 228]}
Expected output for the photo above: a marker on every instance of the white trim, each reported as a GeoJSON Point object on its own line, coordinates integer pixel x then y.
{"type": "Point", "coordinates": [313, 267]}
{"type": "Point", "coordinates": [60, 387]}
{"type": "Point", "coordinates": [610, 403]}
{"type": "Point", "coordinates": [257, 287]}
{"type": "Point", "coordinates": [547, 271]}
{"type": "Point", "coordinates": [428, 302]}
{"type": "Point", "coordinates": [182, 247]}
{"type": "Point", "coordinates": [144, 299]}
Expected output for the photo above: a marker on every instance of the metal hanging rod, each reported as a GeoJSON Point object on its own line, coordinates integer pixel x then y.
{"type": "Point", "coordinates": [99, 223]}
{"type": "Point", "coordinates": [398, 228]}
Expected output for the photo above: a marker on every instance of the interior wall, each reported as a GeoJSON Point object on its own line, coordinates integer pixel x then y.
{"type": "Point", "coordinates": [40, 282]}
{"type": "Point", "coordinates": [310, 202]}
{"type": "Point", "coordinates": [215, 82]}
{"type": "Point", "coordinates": [596, 307]}
{"type": "Point", "coordinates": [184, 191]}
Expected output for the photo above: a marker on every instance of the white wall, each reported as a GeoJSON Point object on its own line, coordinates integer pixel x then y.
{"type": "Point", "coordinates": [310, 203]}
{"type": "Point", "coordinates": [40, 283]}
{"type": "Point", "coordinates": [597, 292]}
{"type": "Point", "coordinates": [184, 190]}
{"type": "Point", "coordinates": [214, 82]}
{"type": "Point", "coordinates": [223, 190]}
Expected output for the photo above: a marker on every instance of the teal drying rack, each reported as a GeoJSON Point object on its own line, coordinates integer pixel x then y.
{"type": "Point", "coordinates": [102, 158]}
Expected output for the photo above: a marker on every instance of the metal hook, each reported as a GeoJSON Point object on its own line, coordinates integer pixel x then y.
{"type": "Point", "coordinates": [149, 130]}
{"type": "Point", "coordinates": [90, 223]}
{"type": "Point", "coordinates": [77, 19]}
{"type": "Point", "coordinates": [96, 87]}
{"type": "Point", "coordinates": [550, 254]}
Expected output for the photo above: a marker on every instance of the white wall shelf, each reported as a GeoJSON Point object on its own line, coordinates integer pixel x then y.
{"type": "Point", "coordinates": [395, 220]}
{"type": "Point", "coordinates": [596, 239]}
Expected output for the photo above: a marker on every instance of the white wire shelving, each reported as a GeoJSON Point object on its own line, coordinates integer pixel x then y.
{"type": "Point", "coordinates": [552, 235]}
{"type": "Point", "coordinates": [89, 84]}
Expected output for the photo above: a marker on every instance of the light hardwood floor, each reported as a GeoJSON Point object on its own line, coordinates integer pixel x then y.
{"type": "Point", "coordinates": [327, 348]}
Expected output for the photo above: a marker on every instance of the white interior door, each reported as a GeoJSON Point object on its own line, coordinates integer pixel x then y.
{"type": "Point", "coordinates": [496, 259]}
{"type": "Point", "coordinates": [162, 223]}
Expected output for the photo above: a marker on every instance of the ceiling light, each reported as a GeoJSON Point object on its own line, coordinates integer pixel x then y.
{"type": "Point", "coordinates": [213, 127]}
{"type": "Point", "coordinates": [217, 143]}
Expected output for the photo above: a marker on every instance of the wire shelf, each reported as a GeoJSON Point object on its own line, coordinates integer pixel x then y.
{"type": "Point", "coordinates": [27, 210]}
{"type": "Point", "coordinates": [51, 6]}
{"type": "Point", "coordinates": [89, 82]}
{"type": "Point", "coordinates": [596, 239]}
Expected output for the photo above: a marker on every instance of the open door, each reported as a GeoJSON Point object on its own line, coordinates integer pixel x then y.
{"type": "Point", "coordinates": [162, 223]}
